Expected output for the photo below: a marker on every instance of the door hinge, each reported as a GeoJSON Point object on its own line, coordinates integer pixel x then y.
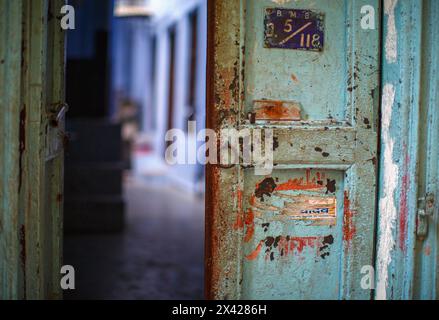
{"type": "Point", "coordinates": [425, 211]}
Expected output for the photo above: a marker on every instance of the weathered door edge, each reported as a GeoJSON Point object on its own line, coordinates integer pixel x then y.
{"type": "Point", "coordinates": [209, 179]}
{"type": "Point", "coordinates": [409, 125]}
{"type": "Point", "coordinates": [32, 79]}
{"type": "Point", "coordinates": [224, 93]}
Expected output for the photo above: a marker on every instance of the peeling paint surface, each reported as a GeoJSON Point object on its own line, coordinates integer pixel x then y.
{"type": "Point", "coordinates": [409, 158]}
{"type": "Point", "coordinates": [387, 206]}
{"type": "Point", "coordinates": [391, 46]}
{"type": "Point", "coordinates": [281, 235]}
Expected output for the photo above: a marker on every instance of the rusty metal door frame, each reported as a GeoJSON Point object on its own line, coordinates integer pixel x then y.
{"type": "Point", "coordinates": [31, 158]}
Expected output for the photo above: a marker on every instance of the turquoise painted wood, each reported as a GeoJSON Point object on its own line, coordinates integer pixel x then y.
{"type": "Point", "coordinates": [261, 243]}
{"type": "Point", "coordinates": [407, 246]}
{"type": "Point", "coordinates": [31, 157]}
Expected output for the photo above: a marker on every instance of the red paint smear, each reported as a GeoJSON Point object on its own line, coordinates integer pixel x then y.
{"type": "Point", "coordinates": [290, 246]}
{"type": "Point", "coordinates": [348, 224]}
{"type": "Point", "coordinates": [300, 184]}
{"type": "Point", "coordinates": [239, 223]}
{"type": "Point", "coordinates": [300, 243]}
{"type": "Point", "coordinates": [250, 223]}
{"type": "Point", "coordinates": [403, 204]}
{"type": "Point", "coordinates": [255, 253]}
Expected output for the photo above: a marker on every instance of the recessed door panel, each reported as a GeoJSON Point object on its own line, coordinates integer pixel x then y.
{"type": "Point", "coordinates": [293, 238]}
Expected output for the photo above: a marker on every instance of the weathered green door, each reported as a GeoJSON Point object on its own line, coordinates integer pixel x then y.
{"type": "Point", "coordinates": [308, 70]}
{"type": "Point", "coordinates": [31, 158]}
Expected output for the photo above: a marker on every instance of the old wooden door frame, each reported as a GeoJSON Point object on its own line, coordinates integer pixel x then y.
{"type": "Point", "coordinates": [31, 94]}
{"type": "Point", "coordinates": [406, 266]}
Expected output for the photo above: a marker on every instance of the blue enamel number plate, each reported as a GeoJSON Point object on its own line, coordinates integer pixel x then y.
{"type": "Point", "coordinates": [294, 29]}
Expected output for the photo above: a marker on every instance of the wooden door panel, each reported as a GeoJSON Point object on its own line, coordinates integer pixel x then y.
{"type": "Point", "coordinates": [32, 190]}
{"type": "Point", "coordinates": [262, 239]}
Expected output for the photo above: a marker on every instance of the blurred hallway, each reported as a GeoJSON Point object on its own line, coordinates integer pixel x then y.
{"type": "Point", "coordinates": [158, 256]}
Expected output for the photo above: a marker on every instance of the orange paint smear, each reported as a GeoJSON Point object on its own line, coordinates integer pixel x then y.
{"type": "Point", "coordinates": [300, 243]}
{"type": "Point", "coordinates": [255, 253]}
{"type": "Point", "coordinates": [250, 224]}
{"type": "Point", "coordinates": [239, 223]}
{"type": "Point", "coordinates": [349, 229]}
{"type": "Point", "coordinates": [294, 78]}
{"type": "Point", "coordinates": [302, 184]}
{"type": "Point", "coordinates": [276, 110]}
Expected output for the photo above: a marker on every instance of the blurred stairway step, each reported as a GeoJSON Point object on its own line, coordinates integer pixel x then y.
{"type": "Point", "coordinates": [94, 179]}
{"type": "Point", "coordinates": [94, 214]}
{"type": "Point", "coordinates": [93, 141]}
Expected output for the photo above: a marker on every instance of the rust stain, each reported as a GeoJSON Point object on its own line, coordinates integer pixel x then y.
{"type": "Point", "coordinates": [277, 110]}
{"type": "Point", "coordinates": [22, 144]}
{"type": "Point", "coordinates": [403, 204]}
{"type": "Point", "coordinates": [294, 78]}
{"type": "Point", "coordinates": [349, 229]}
{"type": "Point", "coordinates": [228, 78]}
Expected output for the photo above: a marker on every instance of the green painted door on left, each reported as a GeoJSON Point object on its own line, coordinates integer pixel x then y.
{"type": "Point", "coordinates": [32, 111]}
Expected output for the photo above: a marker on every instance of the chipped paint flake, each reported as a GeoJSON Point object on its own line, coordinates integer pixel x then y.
{"type": "Point", "coordinates": [387, 208]}
{"type": "Point", "coordinates": [391, 45]}
{"type": "Point", "coordinates": [349, 228]}
{"type": "Point", "coordinates": [281, 1]}
{"type": "Point", "coordinates": [281, 247]}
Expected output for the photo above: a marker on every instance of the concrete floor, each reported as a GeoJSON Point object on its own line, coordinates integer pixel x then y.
{"type": "Point", "coordinates": [158, 256]}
